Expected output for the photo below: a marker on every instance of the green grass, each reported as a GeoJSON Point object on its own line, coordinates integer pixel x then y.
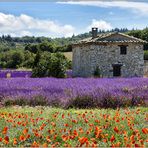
{"type": "Point", "coordinates": [59, 125]}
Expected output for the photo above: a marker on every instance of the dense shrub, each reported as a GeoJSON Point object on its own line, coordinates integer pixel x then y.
{"type": "Point", "coordinates": [50, 65]}
{"type": "Point", "coordinates": [16, 59]}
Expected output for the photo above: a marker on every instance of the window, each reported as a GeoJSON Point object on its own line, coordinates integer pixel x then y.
{"type": "Point", "coordinates": [123, 49]}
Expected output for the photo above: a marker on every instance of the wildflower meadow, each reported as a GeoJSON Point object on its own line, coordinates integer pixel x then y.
{"type": "Point", "coordinates": [50, 127]}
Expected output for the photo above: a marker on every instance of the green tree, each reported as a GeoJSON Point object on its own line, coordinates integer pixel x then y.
{"type": "Point", "coordinates": [37, 58]}
{"type": "Point", "coordinates": [28, 59]}
{"type": "Point", "coordinates": [14, 59]}
{"type": "Point", "coordinates": [50, 65]}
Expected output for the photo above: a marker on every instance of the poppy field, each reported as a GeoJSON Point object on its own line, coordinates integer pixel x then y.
{"type": "Point", "coordinates": [51, 127]}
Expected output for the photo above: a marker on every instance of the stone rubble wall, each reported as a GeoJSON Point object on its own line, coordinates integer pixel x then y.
{"type": "Point", "coordinates": [86, 58]}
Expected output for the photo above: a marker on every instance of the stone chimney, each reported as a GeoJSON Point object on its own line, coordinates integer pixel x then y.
{"type": "Point", "coordinates": [94, 32]}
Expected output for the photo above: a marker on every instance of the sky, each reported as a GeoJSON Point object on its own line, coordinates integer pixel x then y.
{"type": "Point", "coordinates": [61, 18]}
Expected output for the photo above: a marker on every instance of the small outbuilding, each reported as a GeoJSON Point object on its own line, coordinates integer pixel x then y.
{"type": "Point", "coordinates": [109, 55]}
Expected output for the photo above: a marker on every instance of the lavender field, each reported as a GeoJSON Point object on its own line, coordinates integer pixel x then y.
{"type": "Point", "coordinates": [9, 73]}
{"type": "Point", "coordinates": [79, 92]}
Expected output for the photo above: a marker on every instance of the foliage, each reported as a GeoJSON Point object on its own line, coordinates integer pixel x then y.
{"type": "Point", "coordinates": [49, 127]}
{"type": "Point", "coordinates": [58, 65]}
{"type": "Point", "coordinates": [37, 58]}
{"type": "Point", "coordinates": [16, 59]}
{"type": "Point", "coordinates": [11, 59]}
{"type": "Point", "coordinates": [69, 64]}
{"type": "Point", "coordinates": [28, 59]}
{"type": "Point", "coordinates": [44, 46]}
{"type": "Point", "coordinates": [50, 65]}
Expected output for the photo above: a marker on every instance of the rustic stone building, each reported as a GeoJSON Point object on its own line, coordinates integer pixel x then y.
{"type": "Point", "coordinates": [113, 54]}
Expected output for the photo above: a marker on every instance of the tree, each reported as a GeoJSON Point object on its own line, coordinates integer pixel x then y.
{"type": "Point", "coordinates": [28, 59]}
{"type": "Point", "coordinates": [32, 48]}
{"type": "Point", "coordinates": [50, 65]}
{"type": "Point", "coordinates": [58, 65]}
{"type": "Point", "coordinates": [37, 58]}
{"type": "Point", "coordinates": [14, 59]}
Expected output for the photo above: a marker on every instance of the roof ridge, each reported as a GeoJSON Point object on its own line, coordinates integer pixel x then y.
{"type": "Point", "coordinates": [130, 36]}
{"type": "Point", "coordinates": [102, 36]}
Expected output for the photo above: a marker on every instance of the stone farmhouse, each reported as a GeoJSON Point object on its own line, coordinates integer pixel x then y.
{"type": "Point", "coordinates": [113, 54]}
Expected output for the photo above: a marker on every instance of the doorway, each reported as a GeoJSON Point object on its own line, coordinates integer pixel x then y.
{"type": "Point", "coordinates": [116, 70]}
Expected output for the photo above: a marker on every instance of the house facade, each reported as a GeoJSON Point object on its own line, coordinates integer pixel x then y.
{"type": "Point", "coordinates": [113, 54]}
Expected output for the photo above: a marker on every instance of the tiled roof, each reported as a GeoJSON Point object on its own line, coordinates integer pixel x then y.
{"type": "Point", "coordinates": [105, 38]}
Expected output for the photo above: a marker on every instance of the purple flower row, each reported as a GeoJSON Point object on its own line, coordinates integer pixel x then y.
{"type": "Point", "coordinates": [64, 90]}
{"type": "Point", "coordinates": [14, 74]}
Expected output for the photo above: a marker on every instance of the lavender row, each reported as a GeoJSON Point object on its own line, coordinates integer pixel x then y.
{"type": "Point", "coordinates": [9, 73]}
{"type": "Point", "coordinates": [66, 90]}
{"type": "Point", "coordinates": [14, 74]}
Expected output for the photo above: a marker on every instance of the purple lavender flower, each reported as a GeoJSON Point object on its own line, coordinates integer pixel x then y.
{"type": "Point", "coordinates": [65, 90]}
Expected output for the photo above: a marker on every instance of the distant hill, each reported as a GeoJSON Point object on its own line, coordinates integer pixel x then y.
{"type": "Point", "coordinates": [59, 41]}
{"type": "Point", "coordinates": [7, 42]}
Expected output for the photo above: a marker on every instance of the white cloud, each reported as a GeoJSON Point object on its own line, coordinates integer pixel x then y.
{"type": "Point", "coordinates": [140, 8]}
{"type": "Point", "coordinates": [26, 25]}
{"type": "Point", "coordinates": [100, 24]}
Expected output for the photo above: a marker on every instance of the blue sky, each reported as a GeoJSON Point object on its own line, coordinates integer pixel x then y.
{"type": "Point", "coordinates": [57, 19]}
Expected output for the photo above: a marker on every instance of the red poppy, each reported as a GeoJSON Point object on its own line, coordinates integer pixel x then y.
{"type": "Point", "coordinates": [132, 137]}
{"type": "Point", "coordinates": [116, 129]}
{"type": "Point", "coordinates": [75, 133]}
{"type": "Point", "coordinates": [22, 138]}
{"type": "Point", "coordinates": [14, 141]}
{"type": "Point", "coordinates": [25, 131]}
{"type": "Point", "coordinates": [28, 136]}
{"type": "Point", "coordinates": [63, 116]}
{"type": "Point", "coordinates": [98, 131]}
{"type": "Point", "coordinates": [64, 137]}
{"type": "Point", "coordinates": [5, 129]}
{"type": "Point", "coordinates": [83, 140]}
{"type": "Point", "coordinates": [112, 138]}
{"type": "Point", "coordinates": [1, 139]}
{"type": "Point", "coordinates": [137, 145]}
{"type": "Point", "coordinates": [35, 144]}
{"type": "Point", "coordinates": [6, 140]}
{"type": "Point", "coordinates": [145, 130]}
{"type": "Point", "coordinates": [48, 139]}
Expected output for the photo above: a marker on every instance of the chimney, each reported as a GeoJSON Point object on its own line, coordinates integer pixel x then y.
{"type": "Point", "coordinates": [94, 32]}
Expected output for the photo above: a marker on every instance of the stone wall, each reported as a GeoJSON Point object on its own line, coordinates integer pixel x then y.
{"type": "Point", "coordinates": [87, 57]}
